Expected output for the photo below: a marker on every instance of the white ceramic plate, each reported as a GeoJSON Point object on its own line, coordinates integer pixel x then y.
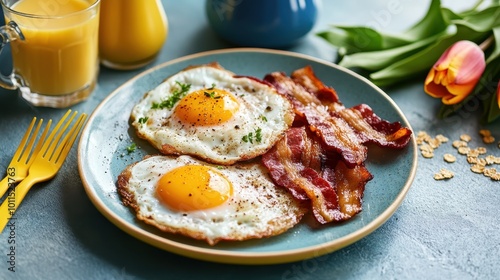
{"type": "Point", "coordinates": [102, 156]}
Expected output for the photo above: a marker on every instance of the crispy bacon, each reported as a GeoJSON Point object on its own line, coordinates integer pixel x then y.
{"type": "Point", "coordinates": [337, 134]}
{"type": "Point", "coordinates": [370, 127]}
{"type": "Point", "coordinates": [321, 159]}
{"type": "Point", "coordinates": [319, 107]}
{"type": "Point", "coordinates": [299, 163]}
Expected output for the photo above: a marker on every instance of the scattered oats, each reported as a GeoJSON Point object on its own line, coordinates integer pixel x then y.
{"type": "Point", "coordinates": [484, 132]}
{"type": "Point", "coordinates": [463, 150]}
{"type": "Point", "coordinates": [449, 158]}
{"type": "Point", "coordinates": [441, 138]}
{"type": "Point", "coordinates": [488, 172]}
{"type": "Point", "coordinates": [422, 137]}
{"type": "Point", "coordinates": [473, 153]}
{"type": "Point", "coordinates": [465, 137]}
{"type": "Point", "coordinates": [488, 139]}
{"type": "Point", "coordinates": [481, 161]}
{"type": "Point", "coordinates": [457, 144]}
{"type": "Point", "coordinates": [476, 168]}
{"type": "Point", "coordinates": [443, 174]}
{"type": "Point", "coordinates": [497, 160]}
{"type": "Point", "coordinates": [427, 154]}
{"type": "Point", "coordinates": [490, 159]}
{"type": "Point", "coordinates": [421, 134]}
{"type": "Point", "coordinates": [434, 143]}
{"type": "Point", "coordinates": [471, 159]}
{"type": "Point", "coordinates": [426, 148]}
{"type": "Point", "coordinates": [495, 177]}
{"type": "Point", "coordinates": [481, 150]}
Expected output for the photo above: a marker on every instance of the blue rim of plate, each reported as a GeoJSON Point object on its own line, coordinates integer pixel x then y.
{"type": "Point", "coordinates": [102, 155]}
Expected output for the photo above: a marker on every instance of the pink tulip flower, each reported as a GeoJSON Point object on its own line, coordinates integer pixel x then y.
{"type": "Point", "coordinates": [456, 73]}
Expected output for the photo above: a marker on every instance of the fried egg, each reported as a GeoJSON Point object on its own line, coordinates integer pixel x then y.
{"type": "Point", "coordinates": [184, 195]}
{"type": "Point", "coordinates": [208, 112]}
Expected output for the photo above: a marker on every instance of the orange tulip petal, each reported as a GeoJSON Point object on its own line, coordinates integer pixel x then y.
{"type": "Point", "coordinates": [430, 77]}
{"type": "Point", "coordinates": [436, 90]}
{"type": "Point", "coordinates": [453, 99]}
{"type": "Point", "coordinates": [463, 89]}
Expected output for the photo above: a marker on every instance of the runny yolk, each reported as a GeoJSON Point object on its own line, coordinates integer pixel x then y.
{"type": "Point", "coordinates": [207, 107]}
{"type": "Point", "coordinates": [193, 187]}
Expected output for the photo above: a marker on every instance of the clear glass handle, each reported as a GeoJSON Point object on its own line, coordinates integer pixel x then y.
{"type": "Point", "coordinates": [9, 32]}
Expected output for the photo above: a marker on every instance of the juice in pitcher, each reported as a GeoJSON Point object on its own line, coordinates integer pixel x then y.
{"type": "Point", "coordinates": [59, 54]}
{"type": "Point", "coordinates": [131, 32]}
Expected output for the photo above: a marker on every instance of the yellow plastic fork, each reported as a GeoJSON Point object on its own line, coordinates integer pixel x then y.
{"type": "Point", "coordinates": [24, 156]}
{"type": "Point", "coordinates": [45, 165]}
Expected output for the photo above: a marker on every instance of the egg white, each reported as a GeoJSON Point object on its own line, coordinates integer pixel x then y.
{"type": "Point", "coordinates": [256, 209]}
{"type": "Point", "coordinates": [260, 108]}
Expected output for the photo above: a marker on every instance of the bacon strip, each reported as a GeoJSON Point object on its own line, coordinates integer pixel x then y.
{"type": "Point", "coordinates": [337, 134]}
{"type": "Point", "coordinates": [321, 159]}
{"type": "Point", "coordinates": [370, 127]}
{"type": "Point", "coordinates": [298, 163]}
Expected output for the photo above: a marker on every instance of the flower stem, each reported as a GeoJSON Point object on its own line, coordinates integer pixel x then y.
{"type": "Point", "coordinates": [486, 43]}
{"type": "Point", "coordinates": [477, 5]}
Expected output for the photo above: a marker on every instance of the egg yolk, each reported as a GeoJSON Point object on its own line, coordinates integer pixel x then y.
{"type": "Point", "coordinates": [207, 107]}
{"type": "Point", "coordinates": [193, 187]}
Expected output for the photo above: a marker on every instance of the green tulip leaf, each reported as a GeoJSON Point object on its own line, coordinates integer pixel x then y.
{"type": "Point", "coordinates": [354, 39]}
{"type": "Point", "coordinates": [425, 59]}
{"type": "Point", "coordinates": [377, 60]}
{"type": "Point", "coordinates": [491, 80]}
{"type": "Point", "coordinates": [496, 47]}
{"type": "Point", "coordinates": [482, 21]}
{"type": "Point", "coordinates": [433, 23]}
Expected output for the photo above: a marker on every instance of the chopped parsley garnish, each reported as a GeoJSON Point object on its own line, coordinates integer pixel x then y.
{"type": "Point", "coordinates": [250, 136]}
{"type": "Point", "coordinates": [262, 117]}
{"type": "Point", "coordinates": [131, 148]}
{"type": "Point", "coordinates": [258, 135]}
{"type": "Point", "coordinates": [211, 95]}
{"type": "Point", "coordinates": [212, 87]}
{"type": "Point", "coordinates": [143, 120]}
{"type": "Point", "coordinates": [177, 95]}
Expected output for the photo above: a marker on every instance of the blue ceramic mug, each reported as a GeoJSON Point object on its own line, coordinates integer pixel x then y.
{"type": "Point", "coordinates": [262, 23]}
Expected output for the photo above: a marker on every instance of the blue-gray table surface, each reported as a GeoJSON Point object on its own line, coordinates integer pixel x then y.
{"type": "Point", "coordinates": [443, 229]}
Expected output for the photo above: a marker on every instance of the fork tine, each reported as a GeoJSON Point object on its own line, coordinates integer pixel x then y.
{"type": "Point", "coordinates": [17, 154]}
{"type": "Point", "coordinates": [38, 146]}
{"type": "Point", "coordinates": [63, 150]}
{"type": "Point", "coordinates": [48, 143]}
{"type": "Point", "coordinates": [57, 143]}
{"type": "Point", "coordinates": [24, 156]}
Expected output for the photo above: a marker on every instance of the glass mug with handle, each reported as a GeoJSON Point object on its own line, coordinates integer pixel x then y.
{"type": "Point", "coordinates": [54, 47]}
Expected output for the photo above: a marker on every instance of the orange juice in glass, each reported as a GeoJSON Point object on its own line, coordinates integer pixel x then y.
{"type": "Point", "coordinates": [131, 32]}
{"type": "Point", "coordinates": [54, 45]}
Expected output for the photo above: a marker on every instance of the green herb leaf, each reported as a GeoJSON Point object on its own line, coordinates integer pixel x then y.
{"type": "Point", "coordinates": [177, 95]}
{"type": "Point", "coordinates": [211, 95]}
{"type": "Point", "coordinates": [143, 120]}
{"type": "Point", "coordinates": [250, 136]}
{"type": "Point", "coordinates": [258, 135]}
{"type": "Point", "coordinates": [131, 148]}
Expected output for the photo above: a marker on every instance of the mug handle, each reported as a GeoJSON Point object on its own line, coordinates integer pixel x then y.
{"type": "Point", "coordinates": [8, 33]}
